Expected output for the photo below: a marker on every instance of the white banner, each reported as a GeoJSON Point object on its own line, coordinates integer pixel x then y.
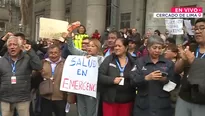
{"type": "Point", "coordinates": [174, 26]}
{"type": "Point", "coordinates": [52, 28]}
{"type": "Point", "coordinates": [80, 75]}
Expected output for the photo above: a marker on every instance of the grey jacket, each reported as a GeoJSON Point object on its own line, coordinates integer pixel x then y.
{"type": "Point", "coordinates": [19, 92]}
{"type": "Point", "coordinates": [75, 51]}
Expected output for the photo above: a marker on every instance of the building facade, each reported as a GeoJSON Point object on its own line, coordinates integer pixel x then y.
{"type": "Point", "coordinates": [118, 14]}
{"type": "Point", "coordinates": [9, 16]}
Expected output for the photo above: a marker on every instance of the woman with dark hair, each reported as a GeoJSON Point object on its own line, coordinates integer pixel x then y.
{"type": "Point", "coordinates": [157, 32]}
{"type": "Point", "coordinates": [78, 39]}
{"type": "Point", "coordinates": [117, 93]}
{"type": "Point", "coordinates": [142, 51]}
{"type": "Point", "coordinates": [129, 33]}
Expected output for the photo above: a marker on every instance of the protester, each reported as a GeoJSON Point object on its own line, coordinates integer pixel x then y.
{"type": "Point", "coordinates": [149, 75]}
{"type": "Point", "coordinates": [63, 46]}
{"type": "Point", "coordinates": [132, 45]}
{"type": "Point", "coordinates": [170, 40]}
{"type": "Point", "coordinates": [85, 43]}
{"type": "Point", "coordinates": [112, 36]}
{"type": "Point", "coordinates": [15, 78]}
{"type": "Point", "coordinates": [96, 35]}
{"type": "Point", "coordinates": [157, 32]}
{"type": "Point", "coordinates": [52, 69]}
{"type": "Point", "coordinates": [117, 93]}
{"type": "Point", "coordinates": [191, 101]}
{"type": "Point", "coordinates": [171, 53]}
{"type": "Point", "coordinates": [87, 105]}
{"type": "Point", "coordinates": [79, 37]}
{"type": "Point", "coordinates": [142, 51]}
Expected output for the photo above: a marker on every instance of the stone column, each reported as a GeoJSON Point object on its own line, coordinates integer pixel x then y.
{"type": "Point", "coordinates": [96, 15]}
{"type": "Point", "coordinates": [57, 10]}
{"type": "Point", "coordinates": [78, 11]}
{"type": "Point", "coordinates": [138, 15]}
{"type": "Point", "coordinates": [157, 6]}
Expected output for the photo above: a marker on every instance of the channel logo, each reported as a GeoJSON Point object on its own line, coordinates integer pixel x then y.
{"type": "Point", "coordinates": [181, 12]}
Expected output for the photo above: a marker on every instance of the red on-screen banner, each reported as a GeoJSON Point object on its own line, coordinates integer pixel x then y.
{"type": "Point", "coordinates": [187, 10]}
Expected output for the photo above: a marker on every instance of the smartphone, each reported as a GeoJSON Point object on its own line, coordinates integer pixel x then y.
{"type": "Point", "coordinates": [164, 74]}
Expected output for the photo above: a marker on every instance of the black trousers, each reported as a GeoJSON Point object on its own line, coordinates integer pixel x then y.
{"type": "Point", "coordinates": [48, 106]}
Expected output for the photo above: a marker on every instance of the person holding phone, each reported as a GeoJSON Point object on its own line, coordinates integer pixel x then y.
{"type": "Point", "coordinates": [153, 75]}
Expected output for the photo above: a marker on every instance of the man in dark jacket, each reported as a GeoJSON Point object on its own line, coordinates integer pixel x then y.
{"type": "Point", "coordinates": [15, 77]}
{"type": "Point", "coordinates": [3, 49]}
{"type": "Point", "coordinates": [191, 100]}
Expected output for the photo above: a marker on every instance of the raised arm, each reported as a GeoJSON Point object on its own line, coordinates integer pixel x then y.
{"type": "Point", "coordinates": [35, 61]}
{"type": "Point", "coordinates": [73, 49]}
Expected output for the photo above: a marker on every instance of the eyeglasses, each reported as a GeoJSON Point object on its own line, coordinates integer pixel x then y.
{"type": "Point", "coordinates": [200, 29]}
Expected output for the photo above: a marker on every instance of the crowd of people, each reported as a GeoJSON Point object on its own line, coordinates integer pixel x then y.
{"type": "Point", "coordinates": [147, 75]}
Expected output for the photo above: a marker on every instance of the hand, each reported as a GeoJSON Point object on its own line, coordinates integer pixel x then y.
{"type": "Point", "coordinates": [66, 35]}
{"type": "Point", "coordinates": [117, 80]}
{"type": "Point", "coordinates": [163, 79]}
{"type": "Point", "coordinates": [7, 36]}
{"type": "Point", "coordinates": [26, 47]}
{"type": "Point", "coordinates": [156, 75]}
{"type": "Point", "coordinates": [190, 55]}
{"type": "Point", "coordinates": [182, 53]}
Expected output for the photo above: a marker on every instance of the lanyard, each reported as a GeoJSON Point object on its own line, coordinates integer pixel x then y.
{"type": "Point", "coordinates": [53, 67]}
{"type": "Point", "coordinates": [197, 53]}
{"type": "Point", "coordinates": [13, 65]}
{"type": "Point", "coordinates": [121, 68]}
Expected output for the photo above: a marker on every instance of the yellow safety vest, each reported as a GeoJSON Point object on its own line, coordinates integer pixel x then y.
{"type": "Point", "coordinates": [79, 39]}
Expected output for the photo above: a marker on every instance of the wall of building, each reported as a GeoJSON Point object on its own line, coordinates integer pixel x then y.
{"type": "Point", "coordinates": [78, 11]}
{"type": "Point", "coordinates": [4, 16]}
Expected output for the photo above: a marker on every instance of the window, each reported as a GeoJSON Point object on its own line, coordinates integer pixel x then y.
{"type": "Point", "coordinates": [2, 26]}
{"type": "Point", "coordinates": [125, 20]}
{"type": "Point", "coordinates": [2, 3]}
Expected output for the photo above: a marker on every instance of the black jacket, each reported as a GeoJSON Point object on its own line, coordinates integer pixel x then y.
{"type": "Point", "coordinates": [151, 98]}
{"type": "Point", "coordinates": [111, 92]}
{"type": "Point", "coordinates": [3, 49]}
{"type": "Point", "coordinates": [190, 91]}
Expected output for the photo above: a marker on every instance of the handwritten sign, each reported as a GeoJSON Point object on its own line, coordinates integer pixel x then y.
{"type": "Point", "coordinates": [80, 75]}
{"type": "Point", "coordinates": [174, 26]}
{"type": "Point", "coordinates": [188, 26]}
{"type": "Point", "coordinates": [52, 28]}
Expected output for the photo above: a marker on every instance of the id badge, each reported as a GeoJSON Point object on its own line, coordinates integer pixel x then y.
{"type": "Point", "coordinates": [122, 81]}
{"type": "Point", "coordinates": [121, 74]}
{"type": "Point", "coordinates": [13, 80]}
